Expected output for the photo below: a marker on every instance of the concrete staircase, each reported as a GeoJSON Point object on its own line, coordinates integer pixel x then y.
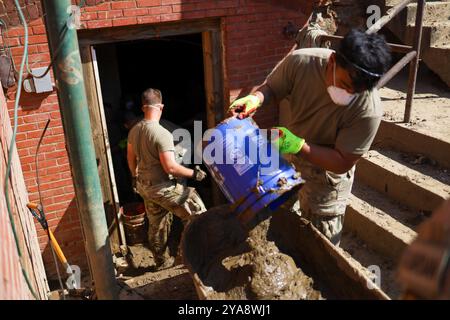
{"type": "Point", "coordinates": [406, 175]}
{"type": "Point", "coordinates": [436, 33]}
{"type": "Point", "coordinates": [394, 191]}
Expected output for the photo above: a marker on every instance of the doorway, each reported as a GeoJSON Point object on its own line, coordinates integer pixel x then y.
{"type": "Point", "coordinates": [187, 66]}
{"type": "Point", "coordinates": [173, 65]}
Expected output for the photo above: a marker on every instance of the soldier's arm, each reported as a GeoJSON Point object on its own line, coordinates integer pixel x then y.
{"type": "Point", "coordinates": [131, 158]}
{"type": "Point", "coordinates": [170, 166]}
{"type": "Point", "coordinates": [333, 160]}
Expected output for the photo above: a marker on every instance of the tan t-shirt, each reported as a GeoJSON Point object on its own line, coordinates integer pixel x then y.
{"type": "Point", "coordinates": [149, 139]}
{"type": "Point", "coordinates": [314, 116]}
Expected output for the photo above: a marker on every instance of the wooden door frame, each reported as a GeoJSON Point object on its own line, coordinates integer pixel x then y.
{"type": "Point", "coordinates": [217, 96]}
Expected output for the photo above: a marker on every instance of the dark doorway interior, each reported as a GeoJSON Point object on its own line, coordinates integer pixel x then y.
{"type": "Point", "coordinates": [173, 65]}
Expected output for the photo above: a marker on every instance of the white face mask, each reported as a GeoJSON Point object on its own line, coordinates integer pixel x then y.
{"type": "Point", "coordinates": [339, 95]}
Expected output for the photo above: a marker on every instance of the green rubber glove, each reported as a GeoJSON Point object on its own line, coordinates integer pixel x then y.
{"type": "Point", "coordinates": [287, 142]}
{"type": "Point", "coordinates": [245, 107]}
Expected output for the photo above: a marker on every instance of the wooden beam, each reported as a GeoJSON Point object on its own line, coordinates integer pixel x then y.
{"type": "Point", "coordinates": [213, 86]}
{"type": "Point", "coordinates": [100, 148]}
{"type": "Point", "coordinates": [143, 32]}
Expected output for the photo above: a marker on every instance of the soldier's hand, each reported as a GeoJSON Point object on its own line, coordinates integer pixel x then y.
{"type": "Point", "coordinates": [199, 174]}
{"type": "Point", "coordinates": [245, 107]}
{"type": "Point", "coordinates": [286, 142]}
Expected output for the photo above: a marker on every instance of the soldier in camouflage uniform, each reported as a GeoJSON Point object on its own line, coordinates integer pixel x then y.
{"type": "Point", "coordinates": [151, 159]}
{"type": "Point", "coordinates": [334, 114]}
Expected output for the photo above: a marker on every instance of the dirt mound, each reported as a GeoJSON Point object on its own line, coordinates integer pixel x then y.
{"type": "Point", "coordinates": [241, 265]}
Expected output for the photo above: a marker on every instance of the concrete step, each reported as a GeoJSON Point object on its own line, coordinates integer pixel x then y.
{"type": "Point", "coordinates": [391, 3]}
{"type": "Point", "coordinates": [389, 172]}
{"type": "Point", "coordinates": [398, 137]}
{"type": "Point", "coordinates": [438, 11]}
{"type": "Point", "coordinates": [440, 35]}
{"type": "Point", "coordinates": [438, 60]}
{"type": "Point", "coordinates": [386, 226]}
{"type": "Point", "coordinates": [436, 35]}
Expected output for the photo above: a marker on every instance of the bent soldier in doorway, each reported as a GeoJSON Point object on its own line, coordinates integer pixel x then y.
{"type": "Point", "coordinates": [151, 159]}
{"type": "Point", "coordinates": [335, 111]}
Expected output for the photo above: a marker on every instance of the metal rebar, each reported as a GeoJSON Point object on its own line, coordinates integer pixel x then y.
{"type": "Point", "coordinates": [393, 46]}
{"type": "Point", "coordinates": [415, 62]}
{"type": "Point", "coordinates": [396, 69]}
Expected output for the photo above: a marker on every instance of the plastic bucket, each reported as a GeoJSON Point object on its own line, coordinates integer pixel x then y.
{"type": "Point", "coordinates": [250, 171]}
{"type": "Point", "coordinates": [135, 223]}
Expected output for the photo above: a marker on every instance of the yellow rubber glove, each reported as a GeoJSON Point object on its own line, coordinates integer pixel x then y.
{"type": "Point", "coordinates": [245, 107]}
{"type": "Point", "coordinates": [287, 142]}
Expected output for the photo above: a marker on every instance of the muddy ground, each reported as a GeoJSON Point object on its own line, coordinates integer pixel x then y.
{"type": "Point", "coordinates": [361, 251]}
{"type": "Point", "coordinates": [234, 264]}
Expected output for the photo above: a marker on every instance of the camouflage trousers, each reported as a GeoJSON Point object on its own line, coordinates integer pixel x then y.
{"type": "Point", "coordinates": [323, 198]}
{"type": "Point", "coordinates": [162, 201]}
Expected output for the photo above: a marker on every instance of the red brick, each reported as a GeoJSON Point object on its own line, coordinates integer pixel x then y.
{"type": "Point", "coordinates": [171, 17]}
{"type": "Point", "coordinates": [86, 16]}
{"type": "Point", "coordinates": [65, 197]}
{"type": "Point", "coordinates": [57, 169]}
{"type": "Point", "coordinates": [62, 161]}
{"type": "Point", "coordinates": [135, 12]}
{"type": "Point", "coordinates": [35, 39]}
{"type": "Point", "coordinates": [102, 15]}
{"type": "Point", "coordinates": [148, 3]}
{"type": "Point", "coordinates": [55, 154]}
{"type": "Point", "coordinates": [39, 30]}
{"type": "Point", "coordinates": [99, 24]}
{"type": "Point", "coordinates": [164, 2]}
{"type": "Point", "coordinates": [123, 5]}
{"type": "Point", "coordinates": [100, 7]}
{"type": "Point", "coordinates": [148, 19]}
{"type": "Point", "coordinates": [113, 14]}
{"type": "Point", "coordinates": [124, 21]}
{"type": "Point", "coordinates": [160, 10]}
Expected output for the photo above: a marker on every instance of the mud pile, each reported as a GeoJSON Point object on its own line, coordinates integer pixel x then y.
{"type": "Point", "coordinates": [232, 263]}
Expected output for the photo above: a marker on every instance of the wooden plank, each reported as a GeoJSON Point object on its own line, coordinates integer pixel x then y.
{"type": "Point", "coordinates": [112, 177]}
{"type": "Point", "coordinates": [223, 66]}
{"type": "Point", "coordinates": [14, 287]}
{"type": "Point", "coordinates": [208, 69]}
{"type": "Point", "coordinates": [100, 147]}
{"type": "Point", "coordinates": [213, 89]}
{"type": "Point", "coordinates": [220, 106]}
{"type": "Point", "coordinates": [142, 32]}
{"type": "Point", "coordinates": [301, 240]}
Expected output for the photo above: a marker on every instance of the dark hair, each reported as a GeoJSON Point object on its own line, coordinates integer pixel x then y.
{"type": "Point", "coordinates": [151, 96]}
{"type": "Point", "coordinates": [365, 56]}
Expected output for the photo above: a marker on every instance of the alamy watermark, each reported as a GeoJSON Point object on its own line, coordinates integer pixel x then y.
{"type": "Point", "coordinates": [375, 15]}
{"type": "Point", "coordinates": [74, 279]}
{"type": "Point", "coordinates": [375, 277]}
{"type": "Point", "coordinates": [74, 20]}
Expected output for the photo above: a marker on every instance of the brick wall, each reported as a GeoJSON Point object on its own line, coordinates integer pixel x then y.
{"type": "Point", "coordinates": [254, 44]}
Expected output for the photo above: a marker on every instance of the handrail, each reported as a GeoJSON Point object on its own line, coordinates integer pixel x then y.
{"type": "Point", "coordinates": [396, 69]}
{"type": "Point", "coordinates": [401, 48]}
{"type": "Point", "coordinates": [414, 66]}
